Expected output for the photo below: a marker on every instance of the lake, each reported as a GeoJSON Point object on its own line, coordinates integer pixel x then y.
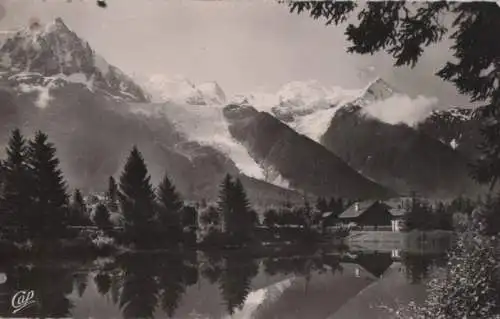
{"type": "Point", "coordinates": [318, 284]}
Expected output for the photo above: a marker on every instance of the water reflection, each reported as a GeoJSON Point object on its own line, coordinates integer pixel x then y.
{"type": "Point", "coordinates": [51, 286]}
{"type": "Point", "coordinates": [418, 266]}
{"type": "Point", "coordinates": [155, 285]}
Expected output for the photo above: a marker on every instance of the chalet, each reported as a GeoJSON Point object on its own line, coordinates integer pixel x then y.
{"type": "Point", "coordinates": [375, 214]}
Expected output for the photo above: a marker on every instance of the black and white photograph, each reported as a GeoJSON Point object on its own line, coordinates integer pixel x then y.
{"type": "Point", "coordinates": [249, 159]}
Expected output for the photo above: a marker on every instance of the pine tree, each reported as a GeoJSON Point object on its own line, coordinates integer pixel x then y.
{"type": "Point", "coordinates": [443, 218]}
{"type": "Point", "coordinates": [2, 176]}
{"type": "Point", "coordinates": [103, 283]}
{"type": "Point", "coordinates": [78, 209]}
{"type": "Point", "coordinates": [112, 195]}
{"type": "Point", "coordinates": [101, 217]}
{"type": "Point", "coordinates": [322, 205]}
{"type": "Point", "coordinates": [15, 198]}
{"type": "Point", "coordinates": [242, 205]}
{"type": "Point", "coordinates": [243, 219]}
{"type": "Point", "coordinates": [418, 215]}
{"type": "Point", "coordinates": [224, 203]}
{"type": "Point", "coordinates": [235, 281]}
{"type": "Point", "coordinates": [234, 208]}
{"type": "Point", "coordinates": [137, 198]}
{"type": "Point", "coordinates": [49, 188]}
{"type": "Point", "coordinates": [210, 217]}
{"type": "Point", "coordinates": [169, 210]}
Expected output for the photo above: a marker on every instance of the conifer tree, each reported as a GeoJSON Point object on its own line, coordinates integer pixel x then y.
{"type": "Point", "coordinates": [2, 176]}
{"type": "Point", "coordinates": [322, 205]}
{"type": "Point", "coordinates": [112, 195]}
{"type": "Point", "coordinates": [101, 217]}
{"type": "Point", "coordinates": [50, 199]}
{"type": "Point", "coordinates": [137, 198]}
{"type": "Point", "coordinates": [78, 209]}
{"type": "Point", "coordinates": [271, 217]}
{"type": "Point", "coordinates": [235, 281]}
{"type": "Point", "coordinates": [169, 210]}
{"type": "Point", "coordinates": [224, 203]}
{"type": "Point", "coordinates": [15, 198]}
{"type": "Point", "coordinates": [234, 208]}
{"type": "Point", "coordinates": [244, 217]}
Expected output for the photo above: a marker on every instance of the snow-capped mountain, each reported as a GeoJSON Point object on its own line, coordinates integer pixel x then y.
{"type": "Point", "coordinates": [212, 93]}
{"type": "Point", "coordinates": [305, 136]}
{"type": "Point", "coordinates": [42, 57]}
{"type": "Point", "coordinates": [304, 163]}
{"type": "Point", "coordinates": [206, 125]}
{"type": "Point", "coordinates": [53, 81]}
{"type": "Point", "coordinates": [389, 137]}
{"type": "Point", "coordinates": [162, 88]}
{"type": "Point", "coordinates": [377, 90]}
{"type": "Point", "coordinates": [456, 127]}
{"type": "Point", "coordinates": [308, 106]}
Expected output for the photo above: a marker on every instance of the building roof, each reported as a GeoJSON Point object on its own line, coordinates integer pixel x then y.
{"type": "Point", "coordinates": [326, 214]}
{"type": "Point", "coordinates": [394, 207]}
{"type": "Point", "coordinates": [356, 209]}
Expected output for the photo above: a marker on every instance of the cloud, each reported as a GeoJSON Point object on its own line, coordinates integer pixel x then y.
{"type": "Point", "coordinates": [402, 109]}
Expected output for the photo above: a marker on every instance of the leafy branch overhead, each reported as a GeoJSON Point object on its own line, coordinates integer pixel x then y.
{"type": "Point", "coordinates": [404, 29]}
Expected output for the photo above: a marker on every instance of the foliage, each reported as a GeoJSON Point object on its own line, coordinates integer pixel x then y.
{"type": "Point", "coordinates": [169, 211]}
{"type": "Point", "coordinates": [210, 216]}
{"type": "Point", "coordinates": [234, 207]}
{"type": "Point", "coordinates": [137, 200]}
{"type": "Point", "coordinates": [235, 280]}
{"type": "Point", "coordinates": [322, 205]}
{"type": "Point", "coordinates": [50, 215]}
{"type": "Point", "coordinates": [443, 218]}
{"type": "Point", "coordinates": [418, 216]}
{"type": "Point", "coordinates": [469, 288]}
{"type": "Point", "coordinates": [78, 210]}
{"type": "Point", "coordinates": [404, 29]}
{"type": "Point", "coordinates": [112, 195]}
{"type": "Point", "coordinates": [271, 217]}
{"type": "Point", "coordinates": [486, 217]}
{"type": "Point", "coordinates": [102, 241]}
{"type": "Point", "coordinates": [101, 217]}
{"type": "Point", "coordinates": [189, 216]}
{"type": "Point", "coordinates": [15, 198]}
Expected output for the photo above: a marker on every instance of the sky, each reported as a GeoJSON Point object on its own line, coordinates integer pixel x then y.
{"type": "Point", "coordinates": [246, 46]}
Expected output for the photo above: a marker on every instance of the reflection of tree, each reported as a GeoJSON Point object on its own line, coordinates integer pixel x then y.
{"type": "Point", "coordinates": [235, 280]}
{"type": "Point", "coordinates": [418, 266]}
{"type": "Point", "coordinates": [211, 268]}
{"type": "Point", "coordinates": [103, 283]}
{"type": "Point", "coordinates": [50, 285]}
{"type": "Point", "coordinates": [171, 284]}
{"type": "Point", "coordinates": [80, 283]}
{"type": "Point", "coordinates": [140, 289]}
{"type": "Point", "coordinates": [301, 265]}
{"type": "Point", "coordinates": [149, 281]}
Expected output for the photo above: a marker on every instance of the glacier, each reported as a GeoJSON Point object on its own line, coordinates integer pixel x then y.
{"type": "Point", "coordinates": [206, 125]}
{"type": "Point", "coordinates": [305, 106]}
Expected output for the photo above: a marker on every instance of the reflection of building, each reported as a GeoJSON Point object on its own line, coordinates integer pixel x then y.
{"type": "Point", "coordinates": [395, 253]}
{"type": "Point", "coordinates": [372, 263]}
{"type": "Point", "coordinates": [375, 215]}
{"type": "Point", "coordinates": [356, 272]}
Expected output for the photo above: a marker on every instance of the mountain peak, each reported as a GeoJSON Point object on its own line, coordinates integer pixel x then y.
{"type": "Point", "coordinates": [57, 25]}
{"type": "Point", "coordinates": [379, 89]}
{"type": "Point", "coordinates": [54, 50]}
